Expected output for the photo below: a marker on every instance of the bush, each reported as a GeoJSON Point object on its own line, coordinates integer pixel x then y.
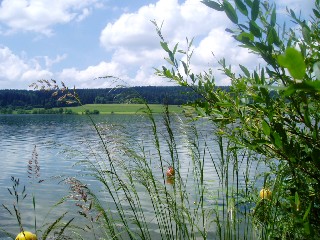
{"type": "Point", "coordinates": [273, 111]}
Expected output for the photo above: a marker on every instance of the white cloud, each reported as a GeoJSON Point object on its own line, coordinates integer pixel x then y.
{"type": "Point", "coordinates": [145, 76]}
{"type": "Point", "coordinates": [83, 15]}
{"type": "Point", "coordinates": [131, 42]}
{"type": "Point", "coordinates": [130, 57]}
{"type": "Point", "coordinates": [89, 77]}
{"type": "Point", "coordinates": [11, 66]}
{"type": "Point", "coordinates": [134, 41]}
{"type": "Point", "coordinates": [34, 75]}
{"type": "Point", "coordinates": [49, 62]}
{"type": "Point", "coordinates": [217, 45]}
{"type": "Point", "coordinates": [16, 71]}
{"type": "Point", "coordinates": [41, 15]}
{"type": "Point", "coordinates": [135, 31]}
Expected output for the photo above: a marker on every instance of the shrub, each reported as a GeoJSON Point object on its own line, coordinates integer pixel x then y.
{"type": "Point", "coordinates": [273, 110]}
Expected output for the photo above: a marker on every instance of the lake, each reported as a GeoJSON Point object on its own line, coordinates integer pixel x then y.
{"type": "Point", "coordinates": [63, 140]}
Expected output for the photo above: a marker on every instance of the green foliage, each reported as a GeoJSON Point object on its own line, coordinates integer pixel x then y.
{"type": "Point", "coordinates": [230, 11]}
{"type": "Point", "coordinates": [11, 100]}
{"type": "Point", "coordinates": [270, 112]}
{"type": "Point", "coordinates": [87, 111]}
{"type": "Point", "coordinates": [294, 62]}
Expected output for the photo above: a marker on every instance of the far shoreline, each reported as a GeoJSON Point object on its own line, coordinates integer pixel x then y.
{"type": "Point", "coordinates": [95, 109]}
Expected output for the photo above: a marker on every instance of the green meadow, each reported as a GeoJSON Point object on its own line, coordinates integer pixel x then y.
{"type": "Point", "coordinates": [123, 108]}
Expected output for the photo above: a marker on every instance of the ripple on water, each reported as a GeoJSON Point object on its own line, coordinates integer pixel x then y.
{"type": "Point", "coordinates": [62, 140]}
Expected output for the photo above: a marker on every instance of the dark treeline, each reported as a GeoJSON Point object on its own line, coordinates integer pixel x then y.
{"type": "Point", "coordinates": [28, 99]}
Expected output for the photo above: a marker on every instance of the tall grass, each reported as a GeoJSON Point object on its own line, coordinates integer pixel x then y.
{"type": "Point", "coordinates": [211, 195]}
{"type": "Point", "coordinates": [49, 228]}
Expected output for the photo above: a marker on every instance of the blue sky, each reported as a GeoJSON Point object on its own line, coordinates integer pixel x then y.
{"type": "Point", "coordinates": [77, 41]}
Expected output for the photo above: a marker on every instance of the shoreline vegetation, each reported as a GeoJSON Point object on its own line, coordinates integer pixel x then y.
{"type": "Point", "coordinates": [247, 129]}
{"type": "Point", "coordinates": [121, 108]}
{"type": "Point", "coordinates": [28, 99]}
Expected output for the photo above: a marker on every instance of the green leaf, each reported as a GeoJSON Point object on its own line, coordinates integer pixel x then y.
{"type": "Point", "coordinates": [190, 43]}
{"type": "Point", "coordinates": [293, 15]}
{"type": "Point", "coordinates": [294, 62]}
{"type": "Point", "coordinates": [254, 29]}
{"type": "Point", "coordinates": [231, 13]}
{"type": "Point", "coordinates": [277, 139]}
{"type": "Point", "coordinates": [243, 27]}
{"type": "Point", "coordinates": [240, 5]}
{"type": "Point", "coordinates": [255, 10]}
{"type": "Point", "coordinates": [229, 30]}
{"type": "Point", "coordinates": [175, 48]}
{"type": "Point", "coordinates": [259, 142]}
{"type": "Point", "coordinates": [245, 37]}
{"type": "Point", "coordinates": [272, 37]}
{"type": "Point", "coordinates": [263, 79]}
{"type": "Point", "coordinates": [316, 13]}
{"type": "Point", "coordinates": [297, 200]}
{"type": "Point", "coordinates": [224, 104]}
{"type": "Point", "coordinates": [283, 29]}
{"type": "Point", "coordinates": [273, 17]}
{"type": "Point", "coordinates": [185, 67]}
{"type": "Point", "coordinates": [6, 208]}
{"type": "Point", "coordinates": [307, 86]}
{"type": "Point", "coordinates": [251, 47]}
{"type": "Point", "coordinates": [171, 57]}
{"type": "Point", "coordinates": [52, 226]}
{"type": "Point", "coordinates": [169, 61]}
{"type": "Point", "coordinates": [306, 214]}
{"type": "Point", "coordinates": [265, 128]}
{"type": "Point", "coordinates": [249, 3]}
{"type": "Point", "coordinates": [266, 94]}
{"type": "Point", "coordinates": [182, 51]}
{"type": "Point", "coordinates": [316, 70]}
{"type": "Point", "coordinates": [213, 5]}
{"type": "Point", "coordinates": [193, 78]}
{"type": "Point", "coordinates": [245, 70]}
{"type": "Point", "coordinates": [256, 77]}
{"type": "Point", "coordinates": [306, 227]}
{"type": "Point", "coordinates": [306, 118]}
{"type": "Point", "coordinates": [289, 91]}
{"type": "Point", "coordinates": [167, 73]}
{"type": "Point", "coordinates": [270, 73]}
{"type": "Point", "coordinates": [64, 228]}
{"type": "Point", "coordinates": [165, 47]}
{"type": "Point", "coordinates": [306, 34]}
{"type": "Point", "coordinates": [263, 48]}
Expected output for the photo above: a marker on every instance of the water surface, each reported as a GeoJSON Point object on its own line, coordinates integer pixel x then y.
{"type": "Point", "coordinates": [63, 140]}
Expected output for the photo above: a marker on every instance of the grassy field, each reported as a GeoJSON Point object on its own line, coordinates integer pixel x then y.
{"type": "Point", "coordinates": [123, 108]}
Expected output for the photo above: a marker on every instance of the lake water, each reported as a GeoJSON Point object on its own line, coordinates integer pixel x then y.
{"type": "Point", "coordinates": [63, 140]}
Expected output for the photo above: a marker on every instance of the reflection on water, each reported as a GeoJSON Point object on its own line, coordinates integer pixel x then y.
{"type": "Point", "coordinates": [60, 139]}
{"type": "Point", "coordinates": [56, 137]}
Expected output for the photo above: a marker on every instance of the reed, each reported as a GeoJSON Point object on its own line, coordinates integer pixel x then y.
{"type": "Point", "coordinates": [185, 206]}
{"type": "Point", "coordinates": [51, 229]}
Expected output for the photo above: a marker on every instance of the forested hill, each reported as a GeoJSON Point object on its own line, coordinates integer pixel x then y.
{"type": "Point", "coordinates": [42, 99]}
